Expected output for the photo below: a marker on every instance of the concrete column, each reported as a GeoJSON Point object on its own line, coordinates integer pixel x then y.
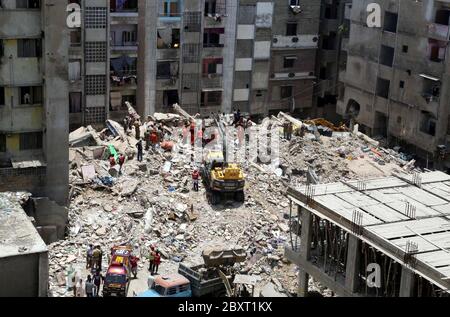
{"type": "Point", "coordinates": [43, 275]}
{"type": "Point", "coordinates": [147, 33]}
{"type": "Point", "coordinates": [351, 273]}
{"type": "Point", "coordinates": [407, 283]}
{"type": "Point", "coordinates": [55, 59]}
{"type": "Point", "coordinates": [229, 55]}
{"type": "Point", "coordinates": [305, 249]}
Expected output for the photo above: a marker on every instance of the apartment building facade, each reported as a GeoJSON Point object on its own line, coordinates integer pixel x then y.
{"type": "Point", "coordinates": [34, 43]}
{"type": "Point", "coordinates": [332, 58]}
{"type": "Point", "coordinates": [216, 55]}
{"type": "Point", "coordinates": [103, 61]}
{"type": "Point", "coordinates": [397, 77]}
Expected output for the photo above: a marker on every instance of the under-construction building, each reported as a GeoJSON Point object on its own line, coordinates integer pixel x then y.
{"type": "Point", "coordinates": [386, 237]}
{"type": "Point", "coordinates": [396, 81]}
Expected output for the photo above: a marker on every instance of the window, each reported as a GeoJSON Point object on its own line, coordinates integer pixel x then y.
{"type": "Point", "coordinates": [402, 84]}
{"type": "Point", "coordinates": [213, 7]}
{"type": "Point", "coordinates": [405, 49]}
{"type": "Point", "coordinates": [29, 48]}
{"type": "Point", "coordinates": [289, 61]}
{"type": "Point", "coordinates": [286, 92]}
{"type": "Point", "coordinates": [129, 98]}
{"type": "Point", "coordinates": [294, 2]}
{"type": "Point", "coordinates": [28, 4]}
{"type": "Point", "coordinates": [383, 87]}
{"type": "Point", "coordinates": [129, 38]}
{"type": "Point", "coordinates": [74, 70]}
{"type": "Point", "coordinates": [212, 66]}
{"type": "Point", "coordinates": [30, 95]}
{"type": "Point", "coordinates": [213, 37]}
{"type": "Point", "coordinates": [75, 38]}
{"type": "Point", "coordinates": [168, 38]}
{"type": "Point", "coordinates": [291, 29]}
{"type": "Point", "coordinates": [428, 123]}
{"type": "Point", "coordinates": [170, 8]}
{"type": "Point", "coordinates": [75, 102]}
{"type": "Point", "coordinates": [436, 50]}
{"type": "Point", "coordinates": [399, 120]}
{"type": "Point", "coordinates": [442, 17]}
{"type": "Point", "coordinates": [390, 22]}
{"type": "Point", "coordinates": [31, 141]}
{"type": "Point", "coordinates": [387, 55]}
{"type": "Point", "coordinates": [211, 98]}
{"type": "Point", "coordinates": [2, 49]}
{"type": "Point", "coordinates": [2, 142]}
{"type": "Point", "coordinates": [2, 96]}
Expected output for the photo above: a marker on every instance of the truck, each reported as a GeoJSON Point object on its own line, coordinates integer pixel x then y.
{"type": "Point", "coordinates": [117, 279]}
{"type": "Point", "coordinates": [206, 279]}
{"type": "Point", "coordinates": [169, 286]}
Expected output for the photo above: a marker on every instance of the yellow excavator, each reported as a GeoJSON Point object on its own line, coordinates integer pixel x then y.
{"type": "Point", "coordinates": [222, 179]}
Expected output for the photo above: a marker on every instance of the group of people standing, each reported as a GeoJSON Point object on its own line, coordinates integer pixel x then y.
{"type": "Point", "coordinates": [154, 259]}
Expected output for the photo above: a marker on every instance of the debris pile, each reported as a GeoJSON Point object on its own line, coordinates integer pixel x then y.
{"type": "Point", "coordinates": [152, 202]}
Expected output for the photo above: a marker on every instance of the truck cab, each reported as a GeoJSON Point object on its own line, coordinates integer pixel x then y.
{"type": "Point", "coordinates": [169, 286]}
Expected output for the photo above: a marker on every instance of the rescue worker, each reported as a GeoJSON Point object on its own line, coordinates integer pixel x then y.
{"type": "Point", "coordinates": [134, 265]}
{"type": "Point", "coordinates": [290, 129]}
{"type": "Point", "coordinates": [97, 258]}
{"type": "Point", "coordinates": [157, 262]}
{"type": "Point", "coordinates": [154, 139]}
{"type": "Point", "coordinates": [137, 128]}
{"type": "Point", "coordinates": [121, 163]}
{"type": "Point", "coordinates": [147, 140]}
{"type": "Point", "coordinates": [89, 252]}
{"type": "Point", "coordinates": [112, 161]}
{"type": "Point", "coordinates": [285, 129]}
{"type": "Point", "coordinates": [195, 179]}
{"type": "Point", "coordinates": [151, 259]}
{"type": "Point", "coordinates": [140, 154]}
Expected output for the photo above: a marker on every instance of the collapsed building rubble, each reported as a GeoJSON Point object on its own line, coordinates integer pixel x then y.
{"type": "Point", "coordinates": [152, 202]}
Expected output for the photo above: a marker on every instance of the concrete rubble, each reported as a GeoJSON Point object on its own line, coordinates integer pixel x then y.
{"type": "Point", "coordinates": [152, 202]}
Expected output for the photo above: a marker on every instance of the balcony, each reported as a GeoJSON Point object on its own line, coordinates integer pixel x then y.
{"type": "Point", "coordinates": [212, 81]}
{"type": "Point", "coordinates": [438, 31]}
{"type": "Point", "coordinates": [13, 24]}
{"type": "Point", "coordinates": [126, 79]}
{"type": "Point", "coordinates": [124, 47]}
{"type": "Point", "coordinates": [295, 42]}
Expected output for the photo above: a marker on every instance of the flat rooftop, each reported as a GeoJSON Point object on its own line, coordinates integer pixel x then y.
{"type": "Point", "coordinates": [18, 236]}
{"type": "Point", "coordinates": [404, 216]}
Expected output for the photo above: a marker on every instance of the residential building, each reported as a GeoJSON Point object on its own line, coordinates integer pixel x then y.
{"type": "Point", "coordinates": [34, 92]}
{"type": "Point", "coordinates": [396, 80]}
{"type": "Point", "coordinates": [332, 58]}
{"type": "Point", "coordinates": [216, 55]}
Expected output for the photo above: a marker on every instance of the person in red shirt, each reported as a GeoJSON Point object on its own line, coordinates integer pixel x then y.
{"type": "Point", "coordinates": [154, 139]}
{"type": "Point", "coordinates": [157, 261]}
{"type": "Point", "coordinates": [112, 161]}
{"type": "Point", "coordinates": [195, 178]}
{"type": "Point", "coordinates": [121, 163]}
{"type": "Point", "coordinates": [134, 265]}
